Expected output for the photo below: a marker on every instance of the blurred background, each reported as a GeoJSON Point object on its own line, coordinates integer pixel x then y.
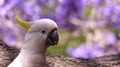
{"type": "Point", "coordinates": [87, 28]}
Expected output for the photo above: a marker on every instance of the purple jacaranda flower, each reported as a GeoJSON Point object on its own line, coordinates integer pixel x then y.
{"type": "Point", "coordinates": [93, 50]}
{"type": "Point", "coordinates": [31, 11]}
{"type": "Point", "coordinates": [97, 3]}
{"type": "Point", "coordinates": [116, 13]}
{"type": "Point", "coordinates": [41, 2]}
{"type": "Point", "coordinates": [9, 5]}
{"type": "Point", "coordinates": [107, 11]}
{"type": "Point", "coordinates": [111, 38]}
{"type": "Point", "coordinates": [115, 22]}
{"type": "Point", "coordinates": [10, 32]}
{"type": "Point", "coordinates": [116, 25]}
{"type": "Point", "coordinates": [35, 17]}
{"type": "Point", "coordinates": [81, 51]}
{"type": "Point", "coordinates": [68, 8]}
{"type": "Point", "coordinates": [111, 14]}
{"type": "Point", "coordinates": [28, 8]}
{"type": "Point", "coordinates": [65, 24]}
{"type": "Point", "coordinates": [3, 12]}
{"type": "Point", "coordinates": [99, 51]}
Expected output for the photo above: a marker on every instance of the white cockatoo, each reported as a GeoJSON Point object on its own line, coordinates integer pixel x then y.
{"type": "Point", "coordinates": [40, 35]}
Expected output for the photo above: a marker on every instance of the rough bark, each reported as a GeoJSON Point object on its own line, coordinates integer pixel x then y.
{"type": "Point", "coordinates": [7, 54]}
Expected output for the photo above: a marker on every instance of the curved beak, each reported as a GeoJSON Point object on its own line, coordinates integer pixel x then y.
{"type": "Point", "coordinates": [52, 38]}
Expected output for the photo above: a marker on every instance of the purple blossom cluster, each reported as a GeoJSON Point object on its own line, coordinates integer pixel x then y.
{"type": "Point", "coordinates": [68, 8]}
{"type": "Point", "coordinates": [111, 13]}
{"type": "Point", "coordinates": [108, 11]}
{"type": "Point", "coordinates": [85, 50]}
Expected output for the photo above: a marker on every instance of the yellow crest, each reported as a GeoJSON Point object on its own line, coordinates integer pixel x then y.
{"type": "Point", "coordinates": [24, 25]}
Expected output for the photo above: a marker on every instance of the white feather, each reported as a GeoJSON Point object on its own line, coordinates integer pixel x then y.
{"type": "Point", "coordinates": [15, 63]}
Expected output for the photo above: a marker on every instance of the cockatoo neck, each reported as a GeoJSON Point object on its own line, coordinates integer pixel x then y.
{"type": "Point", "coordinates": [33, 50]}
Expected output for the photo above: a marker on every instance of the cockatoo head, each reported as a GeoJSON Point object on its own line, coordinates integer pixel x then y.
{"type": "Point", "coordinates": [47, 29]}
{"type": "Point", "coordinates": [44, 29]}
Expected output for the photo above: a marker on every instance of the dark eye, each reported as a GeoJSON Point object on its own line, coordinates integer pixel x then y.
{"type": "Point", "coordinates": [43, 31]}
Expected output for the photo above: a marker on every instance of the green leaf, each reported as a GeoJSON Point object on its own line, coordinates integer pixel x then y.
{"type": "Point", "coordinates": [59, 49]}
{"type": "Point", "coordinates": [87, 11]}
{"type": "Point", "coordinates": [73, 42]}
